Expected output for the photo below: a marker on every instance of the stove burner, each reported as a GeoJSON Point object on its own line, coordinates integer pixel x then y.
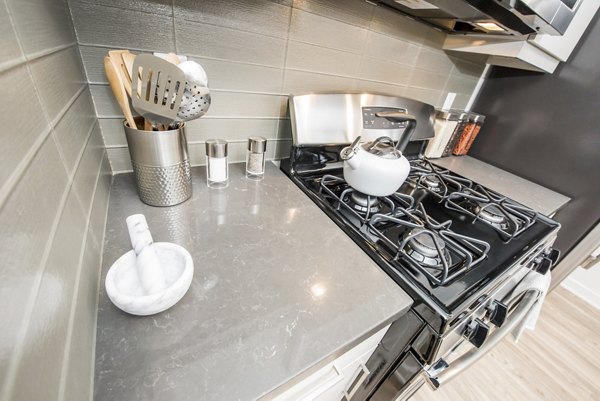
{"type": "Point", "coordinates": [356, 206]}
{"type": "Point", "coordinates": [493, 215]}
{"type": "Point", "coordinates": [436, 180]}
{"type": "Point", "coordinates": [365, 203]}
{"type": "Point", "coordinates": [507, 217]}
{"type": "Point", "coordinates": [421, 247]}
{"type": "Point", "coordinates": [402, 228]}
{"type": "Point", "coordinates": [432, 183]}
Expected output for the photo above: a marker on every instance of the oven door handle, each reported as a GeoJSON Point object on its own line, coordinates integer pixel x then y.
{"type": "Point", "coordinates": [442, 373]}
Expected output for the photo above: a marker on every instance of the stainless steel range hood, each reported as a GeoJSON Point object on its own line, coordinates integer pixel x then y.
{"type": "Point", "coordinates": [494, 17]}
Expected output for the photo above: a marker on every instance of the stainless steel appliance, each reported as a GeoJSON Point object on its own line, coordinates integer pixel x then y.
{"type": "Point", "coordinates": [506, 17]}
{"type": "Point", "coordinates": [456, 247]}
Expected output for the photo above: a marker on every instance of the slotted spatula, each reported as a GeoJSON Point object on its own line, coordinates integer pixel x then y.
{"type": "Point", "coordinates": [157, 88]}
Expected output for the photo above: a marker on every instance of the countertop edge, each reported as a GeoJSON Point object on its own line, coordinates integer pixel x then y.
{"type": "Point", "coordinates": [281, 388]}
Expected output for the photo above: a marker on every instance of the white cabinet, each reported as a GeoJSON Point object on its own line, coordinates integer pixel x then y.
{"type": "Point", "coordinates": [338, 378]}
{"type": "Point", "coordinates": [535, 52]}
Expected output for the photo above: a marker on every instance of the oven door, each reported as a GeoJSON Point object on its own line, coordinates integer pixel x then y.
{"type": "Point", "coordinates": [519, 305]}
{"type": "Point", "coordinates": [405, 380]}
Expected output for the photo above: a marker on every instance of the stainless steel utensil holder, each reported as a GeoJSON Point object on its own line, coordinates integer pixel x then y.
{"type": "Point", "coordinates": [161, 165]}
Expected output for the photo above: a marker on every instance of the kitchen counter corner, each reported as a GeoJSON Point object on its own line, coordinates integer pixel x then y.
{"type": "Point", "coordinates": [278, 290]}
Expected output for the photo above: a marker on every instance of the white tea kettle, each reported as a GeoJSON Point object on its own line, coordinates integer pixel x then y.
{"type": "Point", "coordinates": [374, 168]}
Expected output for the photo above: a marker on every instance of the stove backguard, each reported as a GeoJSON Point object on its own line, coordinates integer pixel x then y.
{"type": "Point", "coordinates": [338, 118]}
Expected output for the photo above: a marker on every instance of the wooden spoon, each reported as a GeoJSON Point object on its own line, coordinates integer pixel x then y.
{"type": "Point", "coordinates": [116, 84]}
{"type": "Point", "coordinates": [117, 61]}
{"type": "Point", "coordinates": [128, 59]}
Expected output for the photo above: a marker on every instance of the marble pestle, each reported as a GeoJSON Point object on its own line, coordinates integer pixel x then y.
{"type": "Point", "coordinates": [149, 268]}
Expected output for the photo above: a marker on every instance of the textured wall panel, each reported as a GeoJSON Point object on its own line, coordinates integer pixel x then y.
{"type": "Point", "coordinates": [43, 218]}
{"type": "Point", "coordinates": [258, 52]}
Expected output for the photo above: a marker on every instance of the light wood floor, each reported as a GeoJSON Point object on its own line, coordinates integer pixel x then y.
{"type": "Point", "coordinates": [560, 360]}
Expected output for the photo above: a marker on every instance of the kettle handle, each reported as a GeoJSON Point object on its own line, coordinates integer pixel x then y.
{"type": "Point", "coordinates": [400, 116]}
{"type": "Point", "coordinates": [380, 140]}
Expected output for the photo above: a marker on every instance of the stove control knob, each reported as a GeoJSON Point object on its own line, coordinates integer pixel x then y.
{"type": "Point", "coordinates": [544, 265]}
{"type": "Point", "coordinates": [476, 332]}
{"type": "Point", "coordinates": [496, 312]}
{"type": "Point", "coordinates": [553, 255]}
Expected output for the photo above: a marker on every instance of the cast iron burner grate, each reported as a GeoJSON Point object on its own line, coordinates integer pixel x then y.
{"type": "Point", "coordinates": [506, 216]}
{"type": "Point", "coordinates": [408, 234]}
{"type": "Point", "coordinates": [438, 181]}
{"type": "Point", "coordinates": [426, 245]}
{"type": "Point", "coordinates": [359, 206]}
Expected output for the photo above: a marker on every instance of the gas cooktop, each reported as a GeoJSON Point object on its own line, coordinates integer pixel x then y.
{"type": "Point", "coordinates": [443, 233]}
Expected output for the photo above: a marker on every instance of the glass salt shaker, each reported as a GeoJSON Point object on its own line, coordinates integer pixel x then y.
{"type": "Point", "coordinates": [217, 169]}
{"type": "Point", "coordinates": [255, 157]}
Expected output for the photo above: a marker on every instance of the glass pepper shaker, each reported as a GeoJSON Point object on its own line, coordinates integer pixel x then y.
{"type": "Point", "coordinates": [255, 157]}
{"type": "Point", "coordinates": [217, 169]}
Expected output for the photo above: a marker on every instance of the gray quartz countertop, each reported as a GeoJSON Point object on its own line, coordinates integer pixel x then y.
{"type": "Point", "coordinates": [537, 197]}
{"type": "Point", "coordinates": [278, 289]}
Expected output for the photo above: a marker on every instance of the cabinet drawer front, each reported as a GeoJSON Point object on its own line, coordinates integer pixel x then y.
{"type": "Point", "coordinates": [329, 382]}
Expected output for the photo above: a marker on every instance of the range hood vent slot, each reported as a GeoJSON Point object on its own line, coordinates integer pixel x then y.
{"type": "Point", "coordinates": [500, 17]}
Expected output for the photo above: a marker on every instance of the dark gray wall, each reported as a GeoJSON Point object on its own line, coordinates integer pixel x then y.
{"type": "Point", "coordinates": [546, 128]}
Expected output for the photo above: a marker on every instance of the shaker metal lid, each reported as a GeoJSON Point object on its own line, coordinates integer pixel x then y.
{"type": "Point", "coordinates": [257, 144]}
{"type": "Point", "coordinates": [451, 115]}
{"type": "Point", "coordinates": [479, 118]}
{"type": "Point", "coordinates": [216, 148]}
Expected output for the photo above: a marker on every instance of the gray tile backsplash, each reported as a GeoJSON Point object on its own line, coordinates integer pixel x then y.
{"type": "Point", "coordinates": [323, 31]}
{"type": "Point", "coordinates": [384, 47]}
{"type": "Point", "coordinates": [46, 330]}
{"type": "Point", "coordinates": [259, 16]}
{"type": "Point", "coordinates": [72, 130]}
{"type": "Point", "coordinates": [307, 57]}
{"type": "Point", "coordinates": [240, 77]}
{"type": "Point", "coordinates": [42, 25]}
{"type": "Point", "coordinates": [354, 12]}
{"type": "Point", "coordinates": [50, 160]}
{"type": "Point", "coordinates": [383, 71]}
{"type": "Point", "coordinates": [9, 51]}
{"type": "Point", "coordinates": [204, 40]}
{"type": "Point", "coordinates": [257, 52]}
{"type": "Point", "coordinates": [117, 27]}
{"type": "Point", "coordinates": [59, 77]}
{"type": "Point", "coordinates": [19, 103]}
